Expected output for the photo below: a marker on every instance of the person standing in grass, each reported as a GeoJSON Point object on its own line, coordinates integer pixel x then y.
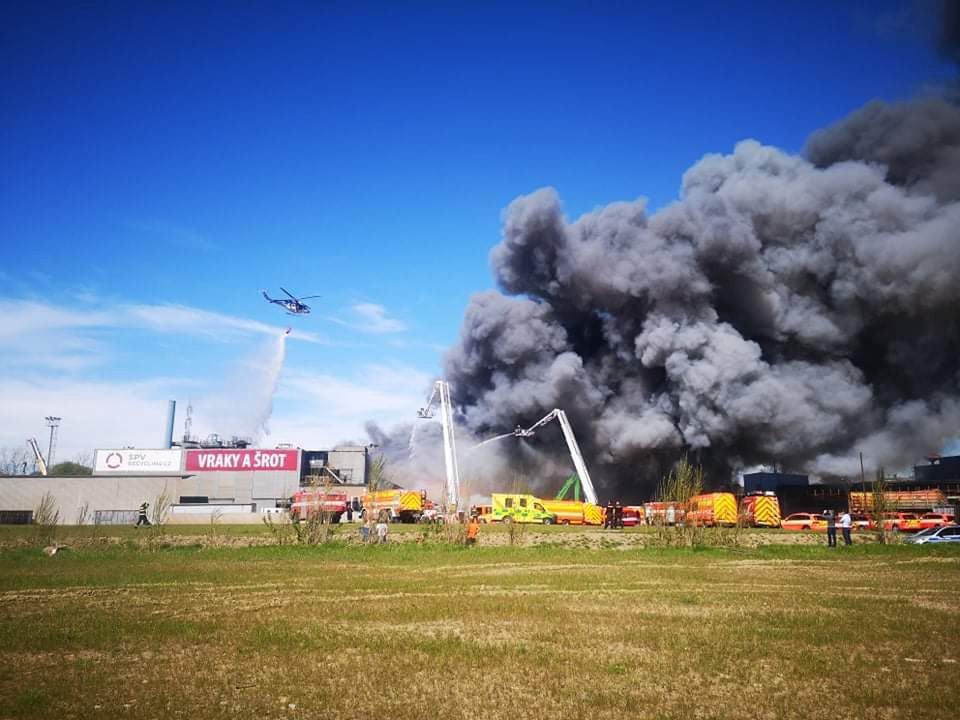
{"type": "Point", "coordinates": [142, 515]}
{"type": "Point", "coordinates": [382, 530]}
{"type": "Point", "coordinates": [473, 530]}
{"type": "Point", "coordinates": [831, 528]}
{"type": "Point", "coordinates": [845, 523]}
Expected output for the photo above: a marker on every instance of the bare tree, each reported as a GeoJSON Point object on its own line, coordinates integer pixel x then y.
{"type": "Point", "coordinates": [84, 458]}
{"type": "Point", "coordinates": [880, 506]}
{"type": "Point", "coordinates": [15, 460]}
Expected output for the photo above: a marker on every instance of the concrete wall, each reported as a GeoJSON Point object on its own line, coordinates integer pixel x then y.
{"type": "Point", "coordinates": [70, 493]}
{"type": "Point", "coordinates": [241, 486]}
{"type": "Point", "coordinates": [127, 492]}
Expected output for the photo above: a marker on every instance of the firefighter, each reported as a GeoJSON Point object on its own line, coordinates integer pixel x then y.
{"type": "Point", "coordinates": [618, 515]}
{"type": "Point", "coordinates": [473, 530]}
{"type": "Point", "coordinates": [142, 515]}
{"type": "Point", "coordinates": [608, 516]}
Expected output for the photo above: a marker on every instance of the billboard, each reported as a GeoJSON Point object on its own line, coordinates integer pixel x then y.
{"type": "Point", "coordinates": [137, 462]}
{"type": "Point", "coordinates": [234, 460]}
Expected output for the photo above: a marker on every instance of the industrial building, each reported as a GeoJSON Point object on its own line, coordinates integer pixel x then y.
{"type": "Point", "coordinates": [798, 494]}
{"type": "Point", "coordinates": [231, 480]}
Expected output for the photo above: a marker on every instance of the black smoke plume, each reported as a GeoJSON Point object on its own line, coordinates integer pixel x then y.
{"type": "Point", "coordinates": [787, 310]}
{"type": "Point", "coordinates": [948, 32]}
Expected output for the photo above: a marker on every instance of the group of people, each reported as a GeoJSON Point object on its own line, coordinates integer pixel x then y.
{"type": "Point", "coordinates": [613, 517]}
{"type": "Point", "coordinates": [846, 523]}
{"type": "Point", "coordinates": [381, 530]}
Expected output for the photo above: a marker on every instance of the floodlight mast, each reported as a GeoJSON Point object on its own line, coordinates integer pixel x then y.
{"type": "Point", "coordinates": [441, 388]}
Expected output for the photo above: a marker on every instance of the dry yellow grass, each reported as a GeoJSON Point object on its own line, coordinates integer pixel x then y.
{"type": "Point", "coordinates": [412, 631]}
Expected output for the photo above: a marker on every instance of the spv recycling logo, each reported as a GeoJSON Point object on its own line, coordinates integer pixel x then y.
{"type": "Point", "coordinates": [114, 460]}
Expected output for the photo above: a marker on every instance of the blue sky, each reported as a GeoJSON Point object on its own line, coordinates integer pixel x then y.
{"type": "Point", "coordinates": [163, 162]}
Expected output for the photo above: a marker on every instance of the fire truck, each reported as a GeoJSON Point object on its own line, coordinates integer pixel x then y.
{"type": "Point", "coordinates": [663, 513]}
{"type": "Point", "coordinates": [396, 505]}
{"type": "Point", "coordinates": [712, 509]}
{"type": "Point", "coordinates": [760, 509]}
{"type": "Point", "coordinates": [307, 503]}
{"type": "Point", "coordinates": [574, 512]}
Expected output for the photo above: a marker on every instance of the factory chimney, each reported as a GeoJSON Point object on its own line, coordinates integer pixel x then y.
{"type": "Point", "coordinates": [168, 435]}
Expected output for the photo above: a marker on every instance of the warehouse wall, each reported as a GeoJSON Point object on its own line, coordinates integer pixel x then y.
{"type": "Point", "coordinates": [351, 462]}
{"type": "Point", "coordinates": [127, 492]}
{"type": "Point", "coordinates": [237, 477]}
{"type": "Point", "coordinates": [70, 493]}
{"type": "Point", "coordinates": [241, 486]}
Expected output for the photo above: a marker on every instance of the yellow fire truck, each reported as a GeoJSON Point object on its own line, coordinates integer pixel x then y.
{"type": "Point", "coordinates": [396, 505]}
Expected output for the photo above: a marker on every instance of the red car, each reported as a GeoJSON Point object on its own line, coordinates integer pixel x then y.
{"type": "Point", "coordinates": [932, 520]}
{"type": "Point", "coordinates": [804, 521]}
{"type": "Point", "coordinates": [900, 522]}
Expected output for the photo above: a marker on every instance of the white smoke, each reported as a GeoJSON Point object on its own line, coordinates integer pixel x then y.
{"type": "Point", "coordinates": [244, 406]}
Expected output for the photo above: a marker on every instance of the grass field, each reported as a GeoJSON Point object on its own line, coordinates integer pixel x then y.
{"type": "Point", "coordinates": [411, 630]}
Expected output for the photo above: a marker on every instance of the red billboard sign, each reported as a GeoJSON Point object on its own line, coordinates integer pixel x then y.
{"type": "Point", "coordinates": [258, 460]}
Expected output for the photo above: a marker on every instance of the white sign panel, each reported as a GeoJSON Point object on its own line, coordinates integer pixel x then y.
{"type": "Point", "coordinates": [134, 462]}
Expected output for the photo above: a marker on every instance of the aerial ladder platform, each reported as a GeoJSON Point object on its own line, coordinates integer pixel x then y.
{"type": "Point", "coordinates": [589, 493]}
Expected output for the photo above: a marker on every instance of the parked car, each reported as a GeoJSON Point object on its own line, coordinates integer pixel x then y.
{"type": "Point", "coordinates": [942, 534]}
{"type": "Point", "coordinates": [804, 521]}
{"type": "Point", "coordinates": [900, 522]}
{"type": "Point", "coordinates": [935, 520]}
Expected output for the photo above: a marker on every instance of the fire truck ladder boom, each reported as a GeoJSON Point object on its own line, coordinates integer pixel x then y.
{"type": "Point", "coordinates": [441, 390]}
{"type": "Point", "coordinates": [581, 467]}
{"type": "Point", "coordinates": [41, 463]}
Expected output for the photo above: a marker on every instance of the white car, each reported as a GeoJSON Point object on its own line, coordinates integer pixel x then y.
{"type": "Point", "coordinates": [942, 534]}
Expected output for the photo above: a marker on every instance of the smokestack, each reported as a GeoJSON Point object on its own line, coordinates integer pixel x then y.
{"type": "Point", "coordinates": [168, 436]}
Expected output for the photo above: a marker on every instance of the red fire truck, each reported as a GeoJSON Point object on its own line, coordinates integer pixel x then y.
{"type": "Point", "coordinates": [307, 503]}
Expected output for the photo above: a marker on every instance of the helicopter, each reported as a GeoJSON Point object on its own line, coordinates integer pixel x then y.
{"type": "Point", "coordinates": [294, 306]}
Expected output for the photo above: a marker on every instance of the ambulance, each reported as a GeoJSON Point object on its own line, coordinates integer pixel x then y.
{"type": "Point", "coordinates": [519, 508]}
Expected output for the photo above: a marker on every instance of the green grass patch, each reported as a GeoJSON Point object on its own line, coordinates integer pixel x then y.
{"type": "Point", "coordinates": [409, 630]}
